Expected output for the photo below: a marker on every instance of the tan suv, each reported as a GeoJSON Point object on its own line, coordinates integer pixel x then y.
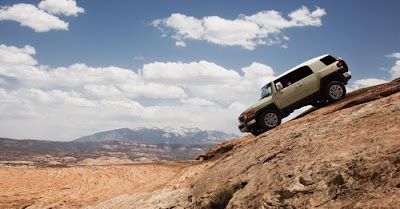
{"type": "Point", "coordinates": [316, 82]}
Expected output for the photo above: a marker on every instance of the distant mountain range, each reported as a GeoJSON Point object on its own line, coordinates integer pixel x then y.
{"type": "Point", "coordinates": [157, 135]}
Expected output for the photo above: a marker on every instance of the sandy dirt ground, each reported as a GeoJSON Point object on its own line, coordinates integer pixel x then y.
{"type": "Point", "coordinates": [77, 187]}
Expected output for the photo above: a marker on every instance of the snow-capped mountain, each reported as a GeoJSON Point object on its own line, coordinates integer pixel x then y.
{"type": "Point", "coordinates": [166, 135]}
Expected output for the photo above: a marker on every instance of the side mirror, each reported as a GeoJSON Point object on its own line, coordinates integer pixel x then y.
{"type": "Point", "coordinates": [279, 86]}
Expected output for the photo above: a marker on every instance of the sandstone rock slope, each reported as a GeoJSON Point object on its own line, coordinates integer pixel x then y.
{"type": "Point", "coordinates": [344, 155]}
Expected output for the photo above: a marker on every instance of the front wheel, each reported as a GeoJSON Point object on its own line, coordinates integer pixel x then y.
{"type": "Point", "coordinates": [256, 131]}
{"type": "Point", "coordinates": [319, 103]}
{"type": "Point", "coordinates": [269, 119]}
{"type": "Point", "coordinates": [335, 91]}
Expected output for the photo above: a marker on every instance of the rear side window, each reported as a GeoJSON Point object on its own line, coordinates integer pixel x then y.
{"type": "Point", "coordinates": [294, 76]}
{"type": "Point", "coordinates": [302, 73]}
{"type": "Point", "coordinates": [328, 60]}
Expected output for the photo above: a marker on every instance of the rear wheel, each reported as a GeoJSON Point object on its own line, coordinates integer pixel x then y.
{"type": "Point", "coordinates": [335, 91]}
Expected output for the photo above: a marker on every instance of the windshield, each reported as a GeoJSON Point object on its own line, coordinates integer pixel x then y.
{"type": "Point", "coordinates": [266, 91]}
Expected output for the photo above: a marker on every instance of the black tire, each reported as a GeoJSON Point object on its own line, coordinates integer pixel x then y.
{"type": "Point", "coordinates": [319, 103]}
{"type": "Point", "coordinates": [269, 119]}
{"type": "Point", "coordinates": [335, 91]}
{"type": "Point", "coordinates": [255, 132]}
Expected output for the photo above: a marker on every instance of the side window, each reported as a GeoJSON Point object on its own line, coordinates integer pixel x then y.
{"type": "Point", "coordinates": [286, 80]}
{"type": "Point", "coordinates": [302, 73]}
{"type": "Point", "coordinates": [328, 60]}
{"type": "Point", "coordinates": [294, 76]}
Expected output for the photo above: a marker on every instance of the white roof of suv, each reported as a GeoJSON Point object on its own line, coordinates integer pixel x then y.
{"type": "Point", "coordinates": [302, 64]}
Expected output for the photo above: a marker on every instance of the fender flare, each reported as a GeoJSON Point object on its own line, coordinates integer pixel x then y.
{"type": "Point", "coordinates": [270, 106]}
{"type": "Point", "coordinates": [334, 76]}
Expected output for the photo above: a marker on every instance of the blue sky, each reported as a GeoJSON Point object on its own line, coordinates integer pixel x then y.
{"type": "Point", "coordinates": [123, 34]}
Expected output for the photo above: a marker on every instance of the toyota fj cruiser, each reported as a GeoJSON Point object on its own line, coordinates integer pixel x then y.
{"type": "Point", "coordinates": [316, 82]}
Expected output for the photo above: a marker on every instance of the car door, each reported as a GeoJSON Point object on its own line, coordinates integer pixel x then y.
{"type": "Point", "coordinates": [293, 92]}
{"type": "Point", "coordinates": [309, 79]}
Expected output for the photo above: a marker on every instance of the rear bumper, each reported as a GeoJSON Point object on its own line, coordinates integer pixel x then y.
{"type": "Point", "coordinates": [347, 75]}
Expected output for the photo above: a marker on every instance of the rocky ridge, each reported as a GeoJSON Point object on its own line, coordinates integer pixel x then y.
{"type": "Point", "coordinates": [157, 135]}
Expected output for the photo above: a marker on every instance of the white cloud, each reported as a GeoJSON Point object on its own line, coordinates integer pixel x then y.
{"type": "Point", "coordinates": [180, 43]}
{"type": "Point", "coordinates": [65, 7]}
{"type": "Point", "coordinates": [363, 83]}
{"type": "Point", "coordinates": [245, 31]}
{"type": "Point", "coordinates": [64, 103]}
{"type": "Point", "coordinates": [102, 90]}
{"type": "Point", "coordinates": [187, 73]}
{"type": "Point", "coordinates": [60, 115]}
{"type": "Point", "coordinates": [257, 75]}
{"type": "Point", "coordinates": [14, 55]}
{"type": "Point", "coordinates": [394, 73]}
{"type": "Point", "coordinates": [197, 102]}
{"type": "Point", "coordinates": [69, 102]}
{"type": "Point", "coordinates": [394, 55]}
{"type": "Point", "coordinates": [30, 16]}
{"type": "Point", "coordinates": [152, 90]}
{"type": "Point", "coordinates": [395, 70]}
{"type": "Point", "coordinates": [210, 81]}
{"type": "Point", "coordinates": [258, 70]}
{"type": "Point", "coordinates": [369, 82]}
{"type": "Point", "coordinates": [303, 17]}
{"type": "Point", "coordinates": [18, 63]}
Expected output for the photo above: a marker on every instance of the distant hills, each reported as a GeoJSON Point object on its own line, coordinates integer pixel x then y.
{"type": "Point", "coordinates": [44, 153]}
{"type": "Point", "coordinates": [156, 136]}
{"type": "Point", "coordinates": [123, 145]}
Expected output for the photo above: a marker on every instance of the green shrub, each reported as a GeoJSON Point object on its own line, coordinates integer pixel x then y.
{"type": "Point", "coordinates": [223, 195]}
{"type": "Point", "coordinates": [221, 198]}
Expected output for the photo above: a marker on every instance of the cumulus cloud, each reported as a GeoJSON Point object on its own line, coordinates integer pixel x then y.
{"type": "Point", "coordinates": [395, 70]}
{"type": "Point", "coordinates": [187, 73]}
{"type": "Point", "coordinates": [262, 28]}
{"type": "Point", "coordinates": [394, 55]}
{"type": "Point", "coordinates": [18, 63]}
{"type": "Point", "coordinates": [180, 43]}
{"type": "Point", "coordinates": [30, 16]}
{"type": "Point", "coordinates": [64, 103]}
{"type": "Point", "coordinates": [65, 115]}
{"type": "Point", "coordinates": [197, 102]}
{"type": "Point", "coordinates": [65, 7]}
{"type": "Point", "coordinates": [14, 55]}
{"type": "Point", "coordinates": [210, 81]}
{"type": "Point", "coordinates": [367, 82]}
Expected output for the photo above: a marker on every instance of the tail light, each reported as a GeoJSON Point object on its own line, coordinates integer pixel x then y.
{"type": "Point", "coordinates": [339, 64]}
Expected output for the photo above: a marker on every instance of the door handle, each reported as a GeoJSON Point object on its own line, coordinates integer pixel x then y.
{"type": "Point", "coordinates": [299, 85]}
